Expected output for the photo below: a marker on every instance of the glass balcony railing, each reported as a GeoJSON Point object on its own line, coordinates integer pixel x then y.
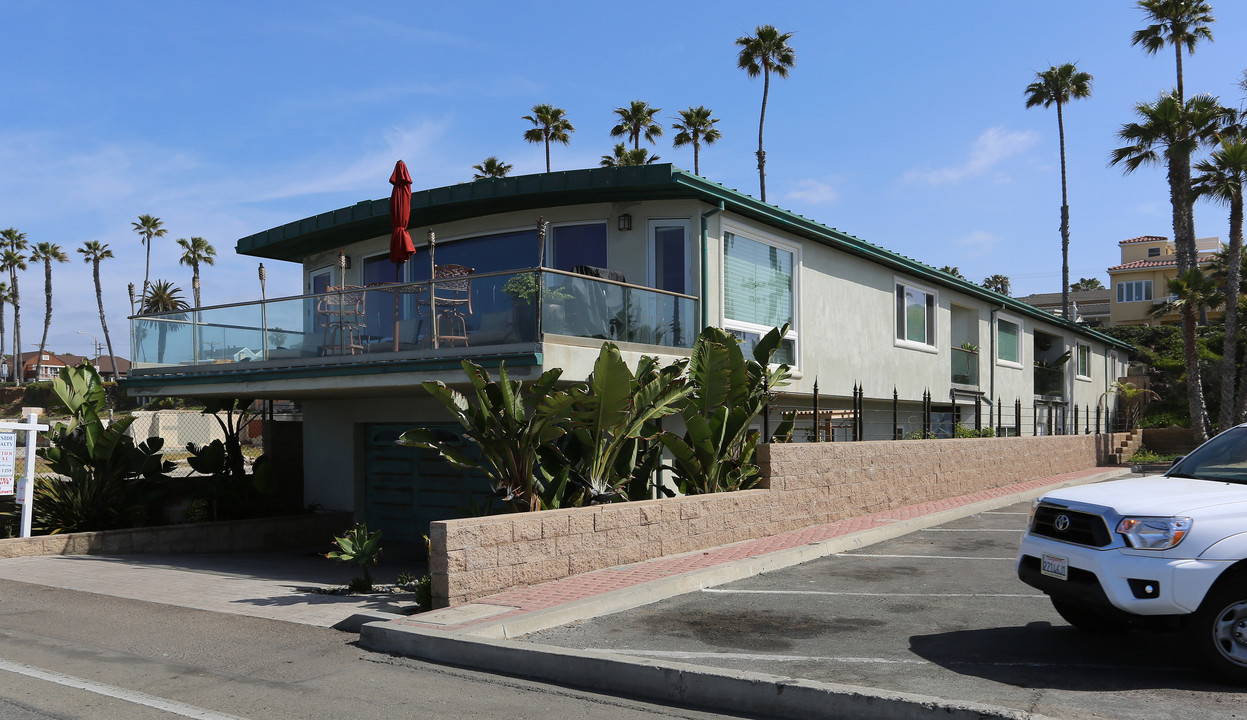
{"type": "Point", "coordinates": [1049, 382]}
{"type": "Point", "coordinates": [443, 317]}
{"type": "Point", "coordinates": [965, 366]}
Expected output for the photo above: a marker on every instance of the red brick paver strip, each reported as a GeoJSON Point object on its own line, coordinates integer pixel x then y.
{"type": "Point", "coordinates": [598, 582]}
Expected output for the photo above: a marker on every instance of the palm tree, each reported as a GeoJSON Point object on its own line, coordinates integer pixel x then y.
{"type": "Point", "coordinates": [696, 127]}
{"type": "Point", "coordinates": [551, 124]}
{"type": "Point", "coordinates": [1056, 86]}
{"type": "Point", "coordinates": [164, 297]}
{"type": "Point", "coordinates": [998, 283]}
{"type": "Point", "coordinates": [1172, 130]}
{"type": "Point", "coordinates": [13, 242]}
{"type": "Point", "coordinates": [46, 253]}
{"type": "Point", "coordinates": [764, 52]}
{"type": "Point", "coordinates": [1085, 284]}
{"type": "Point", "coordinates": [492, 167]}
{"type": "Point", "coordinates": [196, 251]}
{"type": "Point", "coordinates": [148, 227]}
{"type": "Point", "coordinates": [623, 157]}
{"type": "Point", "coordinates": [954, 271]}
{"type": "Point", "coordinates": [94, 252]}
{"type": "Point", "coordinates": [1192, 292]}
{"type": "Point", "coordinates": [1221, 179]}
{"type": "Point", "coordinates": [5, 296]}
{"type": "Point", "coordinates": [1180, 23]}
{"type": "Point", "coordinates": [636, 120]}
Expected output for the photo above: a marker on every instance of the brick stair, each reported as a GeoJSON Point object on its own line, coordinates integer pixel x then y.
{"type": "Point", "coordinates": [1128, 445]}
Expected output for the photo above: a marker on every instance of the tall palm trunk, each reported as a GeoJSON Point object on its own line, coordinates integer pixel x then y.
{"type": "Point", "coordinates": [2, 304]}
{"type": "Point", "coordinates": [547, 152]}
{"type": "Point", "coordinates": [1233, 280]}
{"type": "Point", "coordinates": [766, 90]}
{"type": "Point", "coordinates": [1177, 51]}
{"type": "Point", "coordinates": [99, 300]}
{"type": "Point", "coordinates": [1060, 123]}
{"type": "Point", "coordinates": [195, 283]}
{"type": "Point", "coordinates": [147, 270]}
{"type": "Point", "coordinates": [17, 329]}
{"type": "Point", "coordinates": [1194, 382]}
{"type": "Point", "coordinates": [47, 317]}
{"type": "Point", "coordinates": [696, 166]}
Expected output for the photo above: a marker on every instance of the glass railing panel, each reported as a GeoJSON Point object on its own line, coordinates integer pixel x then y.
{"type": "Point", "coordinates": [587, 307]}
{"type": "Point", "coordinates": [965, 366]}
{"type": "Point", "coordinates": [1049, 382]}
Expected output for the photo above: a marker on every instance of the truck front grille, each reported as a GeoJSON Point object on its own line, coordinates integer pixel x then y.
{"type": "Point", "coordinates": [1079, 528]}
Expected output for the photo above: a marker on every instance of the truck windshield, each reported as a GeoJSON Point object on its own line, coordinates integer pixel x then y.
{"type": "Point", "coordinates": [1223, 458]}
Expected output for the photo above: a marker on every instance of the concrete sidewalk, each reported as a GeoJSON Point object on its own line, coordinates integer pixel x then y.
{"type": "Point", "coordinates": [475, 634]}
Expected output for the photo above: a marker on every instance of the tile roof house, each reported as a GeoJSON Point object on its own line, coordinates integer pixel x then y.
{"type": "Point", "coordinates": [641, 256]}
{"type": "Point", "coordinates": [1139, 283]}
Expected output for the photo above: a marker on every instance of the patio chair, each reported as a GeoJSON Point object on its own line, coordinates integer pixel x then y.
{"type": "Point", "coordinates": [340, 313]}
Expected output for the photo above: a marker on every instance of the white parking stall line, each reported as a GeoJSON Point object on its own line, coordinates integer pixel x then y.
{"type": "Point", "coordinates": [726, 591]}
{"type": "Point", "coordinates": [922, 557]}
{"type": "Point", "coordinates": [1002, 512]}
{"type": "Point", "coordinates": [131, 696]}
{"type": "Point", "coordinates": [999, 530]}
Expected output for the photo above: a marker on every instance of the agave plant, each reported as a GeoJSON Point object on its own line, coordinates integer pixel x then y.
{"type": "Point", "coordinates": [360, 548]}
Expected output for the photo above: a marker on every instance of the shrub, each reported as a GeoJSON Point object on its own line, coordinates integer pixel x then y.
{"type": "Point", "coordinates": [360, 548]}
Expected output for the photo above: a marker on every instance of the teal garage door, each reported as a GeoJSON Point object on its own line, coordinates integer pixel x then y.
{"type": "Point", "coordinates": [407, 488]}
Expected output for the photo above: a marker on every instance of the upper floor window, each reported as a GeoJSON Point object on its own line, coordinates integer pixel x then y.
{"type": "Point", "coordinates": [759, 290]}
{"type": "Point", "coordinates": [1153, 252]}
{"type": "Point", "coordinates": [574, 245]}
{"type": "Point", "coordinates": [1008, 341]}
{"type": "Point", "coordinates": [1084, 361]}
{"type": "Point", "coordinates": [1134, 291]}
{"type": "Point", "coordinates": [915, 315]}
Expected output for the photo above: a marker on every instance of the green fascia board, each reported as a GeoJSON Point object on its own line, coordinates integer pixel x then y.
{"type": "Point", "coordinates": [322, 371]}
{"type": "Point", "coordinates": [371, 218]}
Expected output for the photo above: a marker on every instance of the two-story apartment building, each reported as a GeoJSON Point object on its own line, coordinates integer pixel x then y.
{"type": "Point", "coordinates": [641, 256]}
{"type": "Point", "coordinates": [1141, 281]}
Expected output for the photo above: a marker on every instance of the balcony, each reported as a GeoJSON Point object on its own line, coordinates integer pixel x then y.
{"type": "Point", "coordinates": [1049, 382]}
{"type": "Point", "coordinates": [965, 366]}
{"type": "Point", "coordinates": [451, 317]}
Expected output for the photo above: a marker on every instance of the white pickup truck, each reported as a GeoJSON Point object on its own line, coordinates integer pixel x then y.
{"type": "Point", "coordinates": [1162, 552]}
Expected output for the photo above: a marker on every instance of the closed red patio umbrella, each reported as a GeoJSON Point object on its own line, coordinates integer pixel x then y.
{"type": "Point", "coordinates": [401, 247]}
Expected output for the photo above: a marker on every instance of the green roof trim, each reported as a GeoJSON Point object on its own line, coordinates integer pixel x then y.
{"type": "Point", "coordinates": [371, 218]}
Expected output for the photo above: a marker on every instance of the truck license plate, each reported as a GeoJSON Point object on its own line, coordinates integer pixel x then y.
{"type": "Point", "coordinates": [1055, 566]}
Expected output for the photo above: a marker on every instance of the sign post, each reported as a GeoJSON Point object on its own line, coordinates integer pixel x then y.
{"type": "Point", "coordinates": [8, 463]}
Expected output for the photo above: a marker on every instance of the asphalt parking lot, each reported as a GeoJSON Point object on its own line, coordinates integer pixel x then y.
{"type": "Point", "coordinates": [938, 612]}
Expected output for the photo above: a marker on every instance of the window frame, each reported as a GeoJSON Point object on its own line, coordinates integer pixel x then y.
{"type": "Point", "coordinates": [765, 238]}
{"type": "Point", "coordinates": [1145, 287]}
{"type": "Point", "coordinates": [1078, 373]}
{"type": "Point", "coordinates": [932, 333]}
{"type": "Point", "coordinates": [651, 256]}
{"type": "Point", "coordinates": [1021, 334]}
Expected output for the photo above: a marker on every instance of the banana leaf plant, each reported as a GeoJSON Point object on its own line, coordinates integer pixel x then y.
{"type": "Point", "coordinates": [615, 422]}
{"type": "Point", "coordinates": [514, 426]}
{"type": "Point", "coordinates": [102, 480]}
{"type": "Point", "coordinates": [715, 453]}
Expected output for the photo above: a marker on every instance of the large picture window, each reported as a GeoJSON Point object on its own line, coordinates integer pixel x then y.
{"type": "Point", "coordinates": [1134, 291]}
{"type": "Point", "coordinates": [759, 290]}
{"type": "Point", "coordinates": [915, 315]}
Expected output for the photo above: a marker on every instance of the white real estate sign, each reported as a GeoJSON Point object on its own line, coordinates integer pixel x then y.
{"type": "Point", "coordinates": [8, 462]}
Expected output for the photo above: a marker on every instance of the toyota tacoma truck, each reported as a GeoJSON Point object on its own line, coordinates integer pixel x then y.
{"type": "Point", "coordinates": [1166, 552]}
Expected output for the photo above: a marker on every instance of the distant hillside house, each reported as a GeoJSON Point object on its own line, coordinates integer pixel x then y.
{"type": "Point", "coordinates": [1140, 284]}
{"type": "Point", "coordinates": [1087, 307]}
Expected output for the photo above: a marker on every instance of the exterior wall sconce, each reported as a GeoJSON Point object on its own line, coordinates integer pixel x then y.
{"type": "Point", "coordinates": [625, 222]}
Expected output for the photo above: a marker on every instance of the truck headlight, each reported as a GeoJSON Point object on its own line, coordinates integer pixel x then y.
{"type": "Point", "coordinates": [1030, 516]}
{"type": "Point", "coordinates": [1151, 533]}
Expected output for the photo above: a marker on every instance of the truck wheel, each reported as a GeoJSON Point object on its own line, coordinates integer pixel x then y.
{"type": "Point", "coordinates": [1088, 619]}
{"type": "Point", "coordinates": [1219, 631]}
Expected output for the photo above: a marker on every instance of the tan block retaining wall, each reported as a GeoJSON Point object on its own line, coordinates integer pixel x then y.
{"type": "Point", "coordinates": [261, 534]}
{"type": "Point", "coordinates": [805, 485]}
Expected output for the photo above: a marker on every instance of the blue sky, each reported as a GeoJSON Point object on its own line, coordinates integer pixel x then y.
{"type": "Point", "coordinates": [903, 123]}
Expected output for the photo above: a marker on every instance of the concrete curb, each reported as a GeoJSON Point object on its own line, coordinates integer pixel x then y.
{"type": "Point", "coordinates": [486, 646]}
{"type": "Point", "coordinates": [676, 683]}
{"type": "Point", "coordinates": [356, 622]}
